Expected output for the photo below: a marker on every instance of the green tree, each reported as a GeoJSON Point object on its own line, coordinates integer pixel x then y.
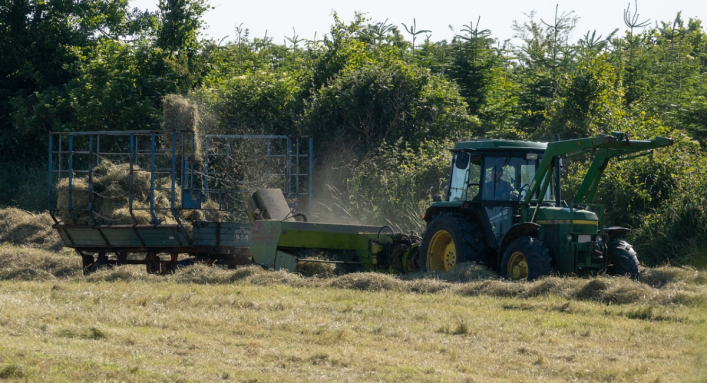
{"type": "Point", "coordinates": [373, 103]}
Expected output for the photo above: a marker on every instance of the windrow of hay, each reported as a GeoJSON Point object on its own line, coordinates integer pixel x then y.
{"type": "Point", "coordinates": [22, 228]}
{"type": "Point", "coordinates": [23, 263]}
{"type": "Point", "coordinates": [661, 286]}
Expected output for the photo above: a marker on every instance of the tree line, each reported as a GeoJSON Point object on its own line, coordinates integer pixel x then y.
{"type": "Point", "coordinates": [381, 100]}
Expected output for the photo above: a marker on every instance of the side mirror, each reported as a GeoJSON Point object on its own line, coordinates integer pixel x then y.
{"type": "Point", "coordinates": [462, 160]}
{"type": "Point", "coordinates": [437, 198]}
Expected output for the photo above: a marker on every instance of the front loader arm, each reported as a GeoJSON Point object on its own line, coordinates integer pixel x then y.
{"type": "Point", "coordinates": [622, 148]}
{"type": "Point", "coordinates": [556, 150]}
{"type": "Point", "coordinates": [606, 147]}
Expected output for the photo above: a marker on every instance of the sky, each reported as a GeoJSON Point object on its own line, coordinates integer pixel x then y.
{"type": "Point", "coordinates": [279, 17]}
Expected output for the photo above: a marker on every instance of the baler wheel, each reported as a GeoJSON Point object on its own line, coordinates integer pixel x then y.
{"type": "Point", "coordinates": [449, 239]}
{"type": "Point", "coordinates": [624, 259]}
{"type": "Point", "coordinates": [526, 258]}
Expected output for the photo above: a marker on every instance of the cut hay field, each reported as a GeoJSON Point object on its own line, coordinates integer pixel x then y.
{"type": "Point", "coordinates": [252, 325]}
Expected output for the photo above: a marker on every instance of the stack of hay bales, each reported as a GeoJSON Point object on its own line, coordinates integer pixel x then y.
{"type": "Point", "coordinates": [111, 196]}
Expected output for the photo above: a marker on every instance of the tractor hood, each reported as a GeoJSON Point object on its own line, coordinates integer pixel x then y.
{"type": "Point", "coordinates": [548, 215]}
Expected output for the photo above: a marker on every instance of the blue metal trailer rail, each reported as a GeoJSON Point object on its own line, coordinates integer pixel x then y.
{"type": "Point", "coordinates": [176, 167]}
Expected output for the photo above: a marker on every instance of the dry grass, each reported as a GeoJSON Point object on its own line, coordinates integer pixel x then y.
{"type": "Point", "coordinates": [23, 228]}
{"type": "Point", "coordinates": [663, 286]}
{"type": "Point", "coordinates": [250, 324]}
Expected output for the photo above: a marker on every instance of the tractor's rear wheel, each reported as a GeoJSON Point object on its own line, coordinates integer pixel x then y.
{"type": "Point", "coordinates": [623, 259]}
{"type": "Point", "coordinates": [526, 258]}
{"type": "Point", "coordinates": [449, 239]}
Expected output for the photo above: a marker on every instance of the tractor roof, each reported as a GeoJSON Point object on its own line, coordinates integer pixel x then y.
{"type": "Point", "coordinates": [499, 145]}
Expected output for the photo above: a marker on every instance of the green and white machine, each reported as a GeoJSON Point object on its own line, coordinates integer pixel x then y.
{"type": "Point", "coordinates": [503, 208]}
{"type": "Point", "coordinates": [281, 240]}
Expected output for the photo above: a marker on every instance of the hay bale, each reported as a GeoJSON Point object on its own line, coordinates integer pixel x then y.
{"type": "Point", "coordinates": [79, 200]}
{"type": "Point", "coordinates": [181, 114]}
{"type": "Point", "coordinates": [112, 181]}
{"type": "Point", "coordinates": [315, 269]}
{"type": "Point", "coordinates": [211, 212]}
{"type": "Point", "coordinates": [122, 216]}
{"type": "Point", "coordinates": [111, 188]}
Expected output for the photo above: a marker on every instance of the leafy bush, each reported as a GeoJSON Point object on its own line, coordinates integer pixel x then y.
{"type": "Point", "coordinates": [394, 185]}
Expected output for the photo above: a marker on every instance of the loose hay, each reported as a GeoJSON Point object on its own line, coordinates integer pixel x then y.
{"type": "Point", "coordinates": [277, 278]}
{"type": "Point", "coordinates": [122, 273]}
{"type": "Point", "coordinates": [23, 228]}
{"type": "Point", "coordinates": [368, 282]}
{"type": "Point", "coordinates": [14, 260]}
{"type": "Point", "coordinates": [685, 287]}
{"type": "Point", "coordinates": [202, 274]}
{"type": "Point", "coordinates": [314, 269]}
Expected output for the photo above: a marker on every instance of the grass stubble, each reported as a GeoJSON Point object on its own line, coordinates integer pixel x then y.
{"type": "Point", "coordinates": [254, 325]}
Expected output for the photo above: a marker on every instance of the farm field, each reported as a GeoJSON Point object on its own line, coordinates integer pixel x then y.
{"type": "Point", "coordinates": [207, 324]}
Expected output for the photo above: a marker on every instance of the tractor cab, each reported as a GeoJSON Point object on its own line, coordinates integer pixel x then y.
{"type": "Point", "coordinates": [495, 174]}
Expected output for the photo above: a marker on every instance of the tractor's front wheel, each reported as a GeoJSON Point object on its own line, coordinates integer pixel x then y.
{"type": "Point", "coordinates": [526, 258]}
{"type": "Point", "coordinates": [450, 238]}
{"type": "Point", "coordinates": [623, 259]}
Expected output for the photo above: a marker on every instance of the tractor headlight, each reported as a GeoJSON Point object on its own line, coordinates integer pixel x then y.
{"type": "Point", "coordinates": [569, 237]}
{"type": "Point", "coordinates": [600, 239]}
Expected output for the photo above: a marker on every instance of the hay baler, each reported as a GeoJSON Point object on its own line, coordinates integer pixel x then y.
{"type": "Point", "coordinates": [283, 241]}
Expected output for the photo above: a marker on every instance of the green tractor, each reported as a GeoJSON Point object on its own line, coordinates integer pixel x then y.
{"type": "Point", "coordinates": [503, 208]}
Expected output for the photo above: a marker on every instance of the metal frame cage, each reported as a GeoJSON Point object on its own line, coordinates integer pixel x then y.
{"type": "Point", "coordinates": [228, 170]}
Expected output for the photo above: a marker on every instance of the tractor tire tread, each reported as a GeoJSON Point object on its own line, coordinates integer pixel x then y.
{"type": "Point", "coordinates": [536, 253]}
{"type": "Point", "coordinates": [471, 245]}
{"type": "Point", "coordinates": [624, 259]}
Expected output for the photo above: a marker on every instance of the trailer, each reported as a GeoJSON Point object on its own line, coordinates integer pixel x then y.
{"type": "Point", "coordinates": [166, 176]}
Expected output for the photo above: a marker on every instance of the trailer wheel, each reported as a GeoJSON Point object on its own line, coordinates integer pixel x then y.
{"type": "Point", "coordinates": [449, 239]}
{"type": "Point", "coordinates": [100, 263]}
{"type": "Point", "coordinates": [152, 263]}
{"type": "Point", "coordinates": [87, 263]}
{"type": "Point", "coordinates": [623, 259]}
{"type": "Point", "coordinates": [526, 258]}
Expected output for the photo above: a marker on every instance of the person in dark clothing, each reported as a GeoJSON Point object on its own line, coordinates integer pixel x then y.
{"type": "Point", "coordinates": [498, 189]}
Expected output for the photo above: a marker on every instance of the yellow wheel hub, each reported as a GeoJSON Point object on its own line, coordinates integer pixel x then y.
{"type": "Point", "coordinates": [442, 253]}
{"type": "Point", "coordinates": [518, 266]}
